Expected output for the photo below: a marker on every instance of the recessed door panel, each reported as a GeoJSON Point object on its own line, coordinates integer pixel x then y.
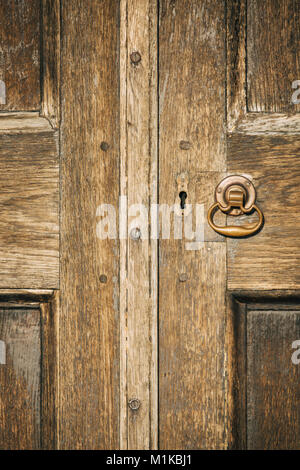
{"type": "Point", "coordinates": [20, 378]}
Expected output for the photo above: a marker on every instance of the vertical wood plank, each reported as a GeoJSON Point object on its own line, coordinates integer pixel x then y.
{"type": "Point", "coordinates": [139, 256]}
{"type": "Point", "coordinates": [236, 61]}
{"type": "Point", "coordinates": [20, 378]}
{"type": "Point", "coordinates": [20, 54]}
{"type": "Point", "coordinates": [236, 337]}
{"type": "Point", "coordinates": [49, 379]}
{"type": "Point", "coordinates": [51, 60]}
{"type": "Point", "coordinates": [89, 301]}
{"type": "Point", "coordinates": [192, 284]}
{"type": "Point", "coordinates": [273, 57]}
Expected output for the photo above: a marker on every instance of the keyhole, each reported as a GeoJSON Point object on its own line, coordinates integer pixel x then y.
{"type": "Point", "coordinates": [183, 196]}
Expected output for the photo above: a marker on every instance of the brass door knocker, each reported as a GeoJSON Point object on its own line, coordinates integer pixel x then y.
{"type": "Point", "coordinates": [235, 195]}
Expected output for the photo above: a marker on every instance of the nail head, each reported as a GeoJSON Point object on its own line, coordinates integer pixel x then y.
{"type": "Point", "coordinates": [134, 404]}
{"type": "Point", "coordinates": [185, 145]}
{"type": "Point", "coordinates": [135, 57]}
{"type": "Point", "coordinates": [135, 233]}
{"type": "Point", "coordinates": [104, 146]}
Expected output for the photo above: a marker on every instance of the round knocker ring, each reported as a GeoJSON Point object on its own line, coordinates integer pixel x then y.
{"type": "Point", "coordinates": [234, 230]}
{"type": "Point", "coordinates": [235, 195]}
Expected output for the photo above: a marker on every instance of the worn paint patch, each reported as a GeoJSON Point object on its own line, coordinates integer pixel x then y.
{"type": "Point", "coordinates": [2, 353]}
{"type": "Point", "coordinates": [2, 92]}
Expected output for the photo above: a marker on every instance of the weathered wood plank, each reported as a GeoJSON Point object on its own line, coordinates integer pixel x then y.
{"type": "Point", "coordinates": [202, 191]}
{"type": "Point", "coordinates": [25, 295]}
{"type": "Point", "coordinates": [192, 349]}
{"type": "Point", "coordinates": [20, 54]}
{"type": "Point", "coordinates": [273, 57]}
{"type": "Point", "coordinates": [236, 331]}
{"type": "Point", "coordinates": [89, 304]}
{"type": "Point", "coordinates": [270, 259]}
{"type": "Point", "coordinates": [236, 61]}
{"type": "Point", "coordinates": [192, 140]}
{"type": "Point", "coordinates": [268, 124]}
{"type": "Point", "coordinates": [23, 123]}
{"type": "Point", "coordinates": [20, 378]}
{"type": "Point", "coordinates": [273, 397]}
{"type": "Point", "coordinates": [29, 201]}
{"type": "Point", "coordinates": [138, 305]}
{"type": "Point", "coordinates": [49, 368]}
{"type": "Point", "coordinates": [51, 60]}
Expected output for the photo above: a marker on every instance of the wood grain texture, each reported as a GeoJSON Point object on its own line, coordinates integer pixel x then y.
{"type": "Point", "coordinates": [138, 272]}
{"type": "Point", "coordinates": [270, 259]}
{"type": "Point", "coordinates": [265, 148]}
{"type": "Point", "coordinates": [236, 60]}
{"type": "Point", "coordinates": [236, 331]}
{"type": "Point", "coordinates": [201, 189]}
{"type": "Point", "coordinates": [191, 321]}
{"type": "Point", "coordinates": [51, 60]}
{"type": "Point", "coordinates": [192, 348]}
{"type": "Point", "coordinates": [20, 378]}
{"type": "Point", "coordinates": [23, 123]}
{"type": "Point", "coordinates": [88, 391]}
{"type": "Point", "coordinates": [29, 201]}
{"type": "Point", "coordinates": [25, 296]}
{"type": "Point", "coordinates": [273, 397]}
{"type": "Point", "coordinates": [49, 368]}
{"type": "Point", "coordinates": [273, 57]}
{"type": "Point", "coordinates": [264, 396]}
{"type": "Point", "coordinates": [192, 80]}
{"type": "Point", "coordinates": [264, 124]}
{"type": "Point", "coordinates": [20, 54]}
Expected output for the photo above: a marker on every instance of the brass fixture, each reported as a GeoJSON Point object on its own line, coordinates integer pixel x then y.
{"type": "Point", "coordinates": [235, 195]}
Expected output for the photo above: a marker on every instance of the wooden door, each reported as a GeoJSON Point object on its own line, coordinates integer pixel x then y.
{"type": "Point", "coordinates": [116, 331]}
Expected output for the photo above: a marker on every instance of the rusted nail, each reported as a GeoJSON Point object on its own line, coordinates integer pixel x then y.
{"type": "Point", "coordinates": [135, 233]}
{"type": "Point", "coordinates": [185, 145]}
{"type": "Point", "coordinates": [135, 57]}
{"type": "Point", "coordinates": [134, 404]}
{"type": "Point", "coordinates": [104, 146]}
{"type": "Point", "coordinates": [183, 277]}
{"type": "Point", "coordinates": [103, 279]}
